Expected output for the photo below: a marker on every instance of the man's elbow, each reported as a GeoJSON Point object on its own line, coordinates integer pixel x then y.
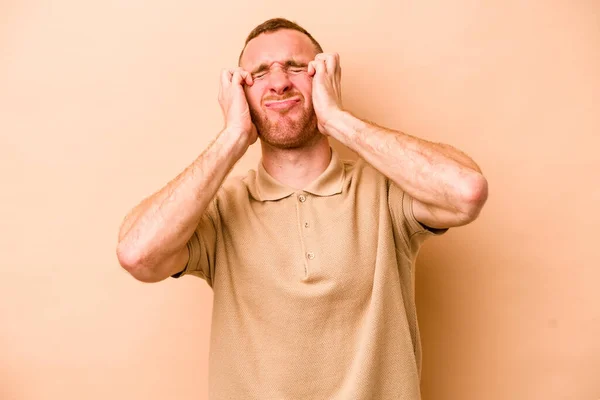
{"type": "Point", "coordinates": [133, 262]}
{"type": "Point", "coordinates": [474, 195]}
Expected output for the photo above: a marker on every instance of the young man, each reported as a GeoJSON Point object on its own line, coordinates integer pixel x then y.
{"type": "Point", "coordinates": [310, 258]}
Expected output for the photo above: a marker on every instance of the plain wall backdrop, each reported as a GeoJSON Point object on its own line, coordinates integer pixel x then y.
{"type": "Point", "coordinates": [102, 103]}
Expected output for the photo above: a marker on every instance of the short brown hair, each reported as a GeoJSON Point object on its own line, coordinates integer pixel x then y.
{"type": "Point", "coordinates": [276, 24]}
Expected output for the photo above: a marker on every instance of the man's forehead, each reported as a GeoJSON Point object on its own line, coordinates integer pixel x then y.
{"type": "Point", "coordinates": [276, 46]}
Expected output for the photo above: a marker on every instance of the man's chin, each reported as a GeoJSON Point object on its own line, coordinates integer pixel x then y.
{"type": "Point", "coordinates": [289, 139]}
{"type": "Point", "coordinates": [287, 131]}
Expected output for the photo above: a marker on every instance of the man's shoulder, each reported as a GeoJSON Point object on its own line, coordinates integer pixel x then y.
{"type": "Point", "coordinates": [238, 183]}
{"type": "Point", "coordinates": [361, 172]}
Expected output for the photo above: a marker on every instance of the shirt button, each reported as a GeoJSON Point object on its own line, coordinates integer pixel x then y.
{"type": "Point", "coordinates": [302, 198]}
{"type": "Point", "coordinates": [310, 255]}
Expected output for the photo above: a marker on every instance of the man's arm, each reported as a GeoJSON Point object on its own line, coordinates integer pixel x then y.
{"type": "Point", "coordinates": [446, 185]}
{"type": "Point", "coordinates": [153, 236]}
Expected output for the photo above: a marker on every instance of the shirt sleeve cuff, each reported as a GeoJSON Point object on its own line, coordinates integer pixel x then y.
{"type": "Point", "coordinates": [417, 227]}
{"type": "Point", "coordinates": [193, 246]}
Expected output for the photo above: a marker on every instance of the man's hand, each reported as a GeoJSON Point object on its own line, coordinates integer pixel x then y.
{"type": "Point", "coordinates": [232, 99]}
{"type": "Point", "coordinates": [326, 88]}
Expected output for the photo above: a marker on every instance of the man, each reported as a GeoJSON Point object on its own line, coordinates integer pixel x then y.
{"type": "Point", "coordinates": [310, 258]}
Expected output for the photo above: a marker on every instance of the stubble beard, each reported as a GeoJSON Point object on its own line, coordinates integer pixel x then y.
{"type": "Point", "coordinates": [286, 132]}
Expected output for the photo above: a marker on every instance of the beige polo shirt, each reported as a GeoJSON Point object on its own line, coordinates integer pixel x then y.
{"type": "Point", "coordinates": [313, 289]}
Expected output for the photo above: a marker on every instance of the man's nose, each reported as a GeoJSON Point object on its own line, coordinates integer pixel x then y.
{"type": "Point", "coordinates": [279, 81]}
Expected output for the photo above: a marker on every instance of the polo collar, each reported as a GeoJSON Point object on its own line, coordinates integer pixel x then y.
{"type": "Point", "coordinates": [329, 183]}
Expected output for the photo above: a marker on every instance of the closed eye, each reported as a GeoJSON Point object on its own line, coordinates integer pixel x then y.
{"type": "Point", "coordinates": [298, 69]}
{"type": "Point", "coordinates": [295, 66]}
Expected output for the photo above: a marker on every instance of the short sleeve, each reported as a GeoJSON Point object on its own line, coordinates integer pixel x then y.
{"type": "Point", "coordinates": [202, 246]}
{"type": "Point", "coordinates": [412, 232]}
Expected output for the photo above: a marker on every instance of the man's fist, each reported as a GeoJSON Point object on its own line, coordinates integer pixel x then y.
{"type": "Point", "coordinates": [232, 99]}
{"type": "Point", "coordinates": [326, 87]}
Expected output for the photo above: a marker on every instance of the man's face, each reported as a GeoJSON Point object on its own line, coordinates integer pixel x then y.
{"type": "Point", "coordinates": [280, 99]}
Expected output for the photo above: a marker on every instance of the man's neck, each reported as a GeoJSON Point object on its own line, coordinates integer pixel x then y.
{"type": "Point", "coordinates": [297, 168]}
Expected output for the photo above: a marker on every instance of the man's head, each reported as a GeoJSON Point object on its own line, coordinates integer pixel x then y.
{"type": "Point", "coordinates": [277, 53]}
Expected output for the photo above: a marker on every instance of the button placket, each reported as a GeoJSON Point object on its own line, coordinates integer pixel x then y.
{"type": "Point", "coordinates": [303, 224]}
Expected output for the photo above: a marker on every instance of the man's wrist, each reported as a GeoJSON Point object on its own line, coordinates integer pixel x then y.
{"type": "Point", "coordinates": [235, 140]}
{"type": "Point", "coordinates": [340, 126]}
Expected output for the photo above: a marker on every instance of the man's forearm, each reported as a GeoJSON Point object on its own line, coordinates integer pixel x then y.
{"type": "Point", "coordinates": [162, 224]}
{"type": "Point", "coordinates": [435, 174]}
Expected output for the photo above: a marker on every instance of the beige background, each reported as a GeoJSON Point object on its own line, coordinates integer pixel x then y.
{"type": "Point", "coordinates": [102, 103]}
